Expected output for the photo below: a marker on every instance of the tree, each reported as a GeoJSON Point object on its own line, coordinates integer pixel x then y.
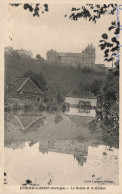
{"type": "Point", "coordinates": [93, 87]}
{"type": "Point", "coordinates": [93, 12]}
{"type": "Point", "coordinates": [84, 86]}
{"type": "Point", "coordinates": [60, 97]}
{"type": "Point", "coordinates": [109, 98]}
{"type": "Point", "coordinates": [112, 47]}
{"type": "Point", "coordinates": [38, 79]}
{"type": "Point", "coordinates": [34, 8]}
{"type": "Point", "coordinates": [38, 56]}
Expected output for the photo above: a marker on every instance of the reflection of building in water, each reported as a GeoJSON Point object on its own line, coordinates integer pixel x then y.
{"type": "Point", "coordinates": [81, 103]}
{"type": "Point", "coordinates": [28, 122]}
{"type": "Point", "coordinates": [81, 112]}
{"type": "Point", "coordinates": [14, 144]}
{"type": "Point", "coordinates": [78, 149]}
{"type": "Point", "coordinates": [80, 120]}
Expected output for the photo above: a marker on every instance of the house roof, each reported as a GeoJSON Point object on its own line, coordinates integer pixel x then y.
{"type": "Point", "coordinates": [81, 94]}
{"type": "Point", "coordinates": [25, 85]}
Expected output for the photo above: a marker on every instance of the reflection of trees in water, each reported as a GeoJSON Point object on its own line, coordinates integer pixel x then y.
{"type": "Point", "coordinates": [77, 148]}
{"type": "Point", "coordinates": [58, 119]}
{"type": "Point", "coordinates": [32, 143]}
{"type": "Point", "coordinates": [45, 145]}
{"type": "Point", "coordinates": [73, 147]}
{"type": "Point", "coordinates": [14, 144]}
{"type": "Point", "coordinates": [81, 159]}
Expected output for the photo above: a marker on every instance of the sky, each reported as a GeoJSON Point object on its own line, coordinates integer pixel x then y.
{"type": "Point", "coordinates": [54, 31]}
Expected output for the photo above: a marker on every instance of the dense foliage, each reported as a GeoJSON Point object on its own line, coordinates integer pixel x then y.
{"type": "Point", "coordinates": [107, 93]}
{"type": "Point", "coordinates": [92, 12]}
{"type": "Point", "coordinates": [60, 79]}
{"type": "Point", "coordinates": [38, 79]}
{"type": "Point", "coordinates": [34, 8]}
{"type": "Point", "coordinates": [38, 56]}
{"type": "Point", "coordinates": [109, 102]}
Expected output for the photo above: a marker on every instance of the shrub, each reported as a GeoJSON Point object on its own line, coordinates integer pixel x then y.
{"type": "Point", "coordinates": [52, 108]}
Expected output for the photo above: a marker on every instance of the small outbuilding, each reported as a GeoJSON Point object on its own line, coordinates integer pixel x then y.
{"type": "Point", "coordinates": [25, 88]}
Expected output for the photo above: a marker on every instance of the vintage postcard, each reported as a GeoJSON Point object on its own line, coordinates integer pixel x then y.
{"type": "Point", "coordinates": [60, 97]}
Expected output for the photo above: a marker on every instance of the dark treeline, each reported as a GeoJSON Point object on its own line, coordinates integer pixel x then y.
{"type": "Point", "coordinates": [107, 92]}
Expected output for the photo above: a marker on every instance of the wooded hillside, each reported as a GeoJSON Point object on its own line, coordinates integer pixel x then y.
{"type": "Point", "coordinates": [57, 76]}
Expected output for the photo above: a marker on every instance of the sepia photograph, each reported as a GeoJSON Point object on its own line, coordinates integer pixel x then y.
{"type": "Point", "coordinates": [61, 95]}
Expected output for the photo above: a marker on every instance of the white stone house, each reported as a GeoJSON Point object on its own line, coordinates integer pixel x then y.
{"type": "Point", "coordinates": [80, 103]}
{"type": "Point", "coordinates": [81, 99]}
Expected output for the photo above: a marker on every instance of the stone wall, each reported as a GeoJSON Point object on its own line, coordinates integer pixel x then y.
{"type": "Point", "coordinates": [84, 59]}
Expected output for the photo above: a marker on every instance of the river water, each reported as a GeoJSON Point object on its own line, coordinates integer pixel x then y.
{"type": "Point", "coordinates": [58, 160]}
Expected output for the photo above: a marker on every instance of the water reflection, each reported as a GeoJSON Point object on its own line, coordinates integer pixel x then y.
{"type": "Point", "coordinates": [14, 144]}
{"type": "Point", "coordinates": [81, 159]}
{"type": "Point", "coordinates": [43, 164]}
{"type": "Point", "coordinates": [73, 147]}
{"type": "Point", "coordinates": [85, 112]}
{"type": "Point", "coordinates": [76, 148]}
{"type": "Point", "coordinates": [57, 149]}
{"type": "Point", "coordinates": [26, 122]}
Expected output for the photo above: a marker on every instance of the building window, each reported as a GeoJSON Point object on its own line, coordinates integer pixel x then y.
{"type": "Point", "coordinates": [87, 110]}
{"type": "Point", "coordinates": [84, 110]}
{"type": "Point", "coordinates": [84, 104]}
{"type": "Point", "coordinates": [88, 104]}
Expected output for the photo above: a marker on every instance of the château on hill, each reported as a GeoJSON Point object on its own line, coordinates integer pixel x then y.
{"type": "Point", "coordinates": [84, 59]}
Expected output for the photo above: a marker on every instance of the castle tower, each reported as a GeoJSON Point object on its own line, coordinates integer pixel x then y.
{"type": "Point", "coordinates": [51, 56]}
{"type": "Point", "coordinates": [89, 56]}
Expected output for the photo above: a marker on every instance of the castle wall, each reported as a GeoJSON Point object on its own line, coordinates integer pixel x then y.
{"type": "Point", "coordinates": [72, 61]}
{"type": "Point", "coordinates": [84, 59]}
